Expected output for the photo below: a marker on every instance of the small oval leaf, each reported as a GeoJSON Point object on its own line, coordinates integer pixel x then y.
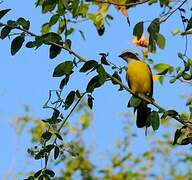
{"type": "Point", "coordinates": [17, 44]}
{"type": "Point", "coordinates": [69, 99]}
{"type": "Point", "coordinates": [5, 32]}
{"type": "Point", "coordinates": [138, 29]}
{"type": "Point", "coordinates": [160, 40]}
{"type": "Point", "coordinates": [88, 66]}
{"type": "Point", "coordinates": [154, 119]}
{"type": "Point", "coordinates": [64, 68]}
{"type": "Point", "coordinates": [3, 12]}
{"type": "Point", "coordinates": [102, 74]}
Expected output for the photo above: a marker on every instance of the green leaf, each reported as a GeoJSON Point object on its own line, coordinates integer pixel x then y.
{"type": "Point", "coordinates": [183, 136]}
{"type": "Point", "coordinates": [65, 3]}
{"type": "Point", "coordinates": [186, 76]}
{"type": "Point", "coordinates": [93, 83]}
{"type": "Point", "coordinates": [41, 177]}
{"type": "Point", "coordinates": [150, 2]}
{"type": "Point", "coordinates": [134, 102]}
{"type": "Point", "coordinates": [176, 31]}
{"type": "Point", "coordinates": [104, 60]}
{"type": "Point", "coordinates": [49, 147]}
{"type": "Point", "coordinates": [177, 135]}
{"type": "Point", "coordinates": [30, 178]}
{"type": "Point", "coordinates": [160, 40]}
{"type": "Point", "coordinates": [51, 37]}
{"type": "Point", "coordinates": [172, 80]}
{"type": "Point", "coordinates": [64, 68]}
{"type": "Point", "coordinates": [3, 12]}
{"type": "Point", "coordinates": [161, 79]}
{"type": "Point", "coordinates": [54, 19]}
{"type": "Point", "coordinates": [5, 32]}
{"type": "Point", "coordinates": [154, 119]}
{"type": "Point", "coordinates": [56, 152]}
{"type": "Point", "coordinates": [46, 135]}
{"type": "Point", "coordinates": [78, 94]}
{"type": "Point", "coordinates": [62, 26]}
{"type": "Point", "coordinates": [189, 25]}
{"type": "Point", "coordinates": [59, 136]}
{"type": "Point", "coordinates": [101, 31]}
{"type": "Point", "coordinates": [12, 23]}
{"type": "Point", "coordinates": [138, 29]}
{"type": "Point", "coordinates": [54, 51]}
{"type": "Point", "coordinates": [48, 5]}
{"type": "Point", "coordinates": [180, 55]}
{"type": "Point", "coordinates": [55, 115]}
{"type": "Point", "coordinates": [116, 75]}
{"type": "Point", "coordinates": [39, 155]}
{"type": "Point", "coordinates": [30, 44]}
{"type": "Point", "coordinates": [49, 172]}
{"type": "Point", "coordinates": [102, 74]}
{"type": "Point", "coordinates": [154, 27]}
{"type": "Point", "coordinates": [68, 43]}
{"type": "Point", "coordinates": [90, 101]}
{"type": "Point", "coordinates": [164, 2]}
{"type": "Point", "coordinates": [64, 82]}
{"type": "Point", "coordinates": [152, 44]}
{"type": "Point", "coordinates": [75, 4]}
{"type": "Point", "coordinates": [171, 113]}
{"type": "Point", "coordinates": [88, 65]}
{"type": "Point", "coordinates": [162, 67]}
{"type": "Point", "coordinates": [70, 31]}
{"type": "Point", "coordinates": [83, 9]}
{"type": "Point", "coordinates": [69, 99]}
{"type": "Point", "coordinates": [17, 44]}
{"type": "Point", "coordinates": [22, 22]}
{"type": "Point", "coordinates": [37, 174]}
{"type": "Point", "coordinates": [45, 28]}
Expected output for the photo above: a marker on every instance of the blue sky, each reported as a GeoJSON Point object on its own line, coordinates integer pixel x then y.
{"type": "Point", "coordinates": [27, 77]}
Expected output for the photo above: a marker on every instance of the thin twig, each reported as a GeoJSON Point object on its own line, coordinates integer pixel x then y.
{"type": "Point", "coordinates": [65, 120]}
{"type": "Point", "coordinates": [164, 18]}
{"type": "Point", "coordinates": [62, 124]}
{"type": "Point", "coordinates": [186, 38]}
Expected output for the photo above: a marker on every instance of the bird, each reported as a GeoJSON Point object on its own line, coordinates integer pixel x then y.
{"type": "Point", "coordinates": [140, 81]}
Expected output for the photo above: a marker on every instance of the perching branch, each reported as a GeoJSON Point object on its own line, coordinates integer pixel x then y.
{"type": "Point", "coordinates": [82, 59]}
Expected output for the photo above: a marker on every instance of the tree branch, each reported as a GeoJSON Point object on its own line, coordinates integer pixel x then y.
{"type": "Point", "coordinates": [167, 16]}
{"type": "Point", "coordinates": [82, 59]}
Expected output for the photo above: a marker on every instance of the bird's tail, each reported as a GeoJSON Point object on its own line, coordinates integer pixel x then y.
{"type": "Point", "coordinates": [142, 113]}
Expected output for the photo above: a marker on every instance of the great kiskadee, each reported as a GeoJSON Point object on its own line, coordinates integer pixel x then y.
{"type": "Point", "coordinates": [140, 80]}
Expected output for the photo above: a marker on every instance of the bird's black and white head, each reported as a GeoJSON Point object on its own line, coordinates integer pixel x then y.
{"type": "Point", "coordinates": [128, 56]}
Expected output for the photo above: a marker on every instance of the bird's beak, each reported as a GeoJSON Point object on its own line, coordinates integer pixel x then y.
{"type": "Point", "coordinates": [120, 56]}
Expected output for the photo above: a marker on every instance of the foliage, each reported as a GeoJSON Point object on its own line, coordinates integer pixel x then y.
{"type": "Point", "coordinates": [64, 15]}
{"type": "Point", "coordinates": [119, 162]}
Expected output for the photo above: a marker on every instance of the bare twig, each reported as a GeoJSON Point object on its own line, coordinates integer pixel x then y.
{"type": "Point", "coordinates": [186, 38]}
{"type": "Point", "coordinates": [167, 16]}
{"type": "Point", "coordinates": [63, 123]}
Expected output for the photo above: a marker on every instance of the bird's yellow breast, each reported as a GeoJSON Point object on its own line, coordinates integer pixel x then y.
{"type": "Point", "coordinates": [139, 77]}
